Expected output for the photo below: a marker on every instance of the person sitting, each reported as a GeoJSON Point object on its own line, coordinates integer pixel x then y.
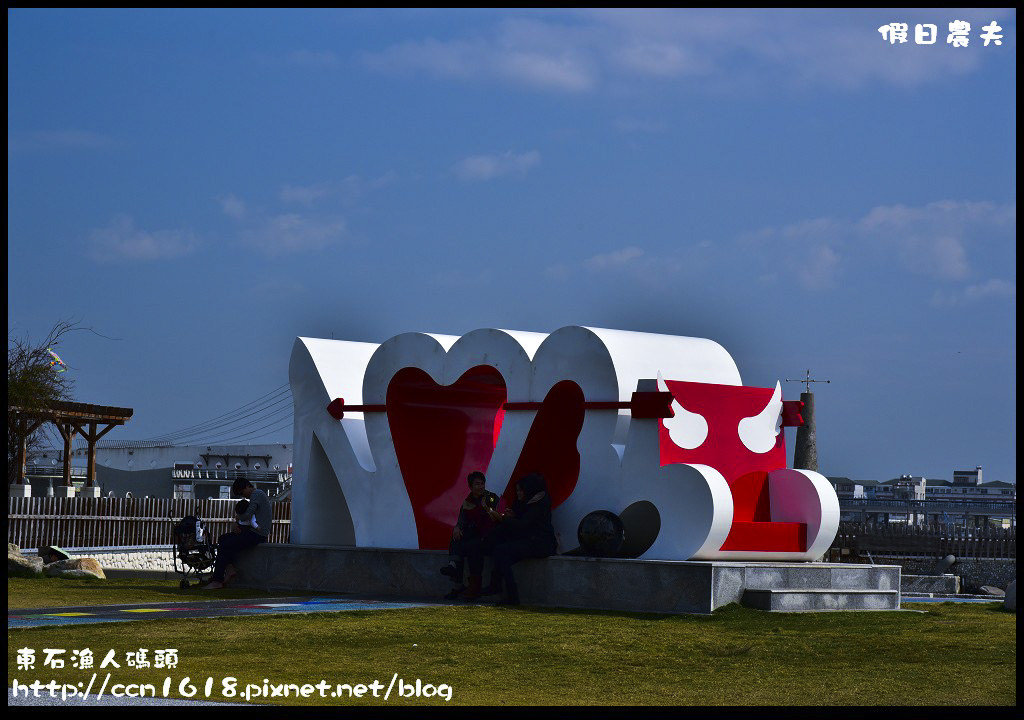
{"type": "Point", "coordinates": [252, 527]}
{"type": "Point", "coordinates": [468, 537]}
{"type": "Point", "coordinates": [240, 507]}
{"type": "Point", "coordinates": [524, 531]}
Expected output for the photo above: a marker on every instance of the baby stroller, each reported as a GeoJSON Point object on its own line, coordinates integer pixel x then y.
{"type": "Point", "coordinates": [192, 549]}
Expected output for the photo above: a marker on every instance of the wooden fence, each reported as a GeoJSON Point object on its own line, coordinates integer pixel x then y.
{"type": "Point", "coordinates": [121, 522]}
{"type": "Point", "coordinates": [855, 540]}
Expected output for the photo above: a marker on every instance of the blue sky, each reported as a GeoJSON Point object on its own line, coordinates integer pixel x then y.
{"type": "Point", "coordinates": [201, 187]}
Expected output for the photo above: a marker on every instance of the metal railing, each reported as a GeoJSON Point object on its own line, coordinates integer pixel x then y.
{"type": "Point", "coordinates": [860, 540]}
{"type": "Point", "coordinates": [57, 471]}
{"type": "Point", "coordinates": [77, 471]}
{"type": "Point", "coordinates": [1007, 507]}
{"type": "Point", "coordinates": [122, 522]}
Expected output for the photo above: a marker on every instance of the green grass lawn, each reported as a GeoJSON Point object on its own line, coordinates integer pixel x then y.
{"type": "Point", "coordinates": [530, 656]}
{"type": "Point", "coordinates": [44, 592]}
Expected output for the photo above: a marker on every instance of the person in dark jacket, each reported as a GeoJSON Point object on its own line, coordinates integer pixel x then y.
{"type": "Point", "coordinates": [252, 527]}
{"type": "Point", "coordinates": [468, 536]}
{"type": "Point", "coordinates": [524, 531]}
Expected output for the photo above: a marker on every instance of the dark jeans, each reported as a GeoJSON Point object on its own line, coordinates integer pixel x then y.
{"type": "Point", "coordinates": [230, 546]}
{"type": "Point", "coordinates": [508, 553]}
{"type": "Point", "coordinates": [470, 548]}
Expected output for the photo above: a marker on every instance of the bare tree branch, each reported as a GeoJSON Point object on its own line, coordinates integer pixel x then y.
{"type": "Point", "coordinates": [33, 386]}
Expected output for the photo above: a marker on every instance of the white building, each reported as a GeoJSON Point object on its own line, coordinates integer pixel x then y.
{"type": "Point", "coordinates": [185, 471]}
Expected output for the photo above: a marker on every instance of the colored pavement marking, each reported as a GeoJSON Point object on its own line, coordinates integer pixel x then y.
{"type": "Point", "coordinates": [151, 610]}
{"type": "Point", "coordinates": [199, 609]}
{"type": "Point", "coordinates": [69, 614]}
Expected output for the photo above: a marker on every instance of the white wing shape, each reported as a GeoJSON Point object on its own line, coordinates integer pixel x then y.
{"type": "Point", "coordinates": [758, 433]}
{"type": "Point", "coordinates": [688, 430]}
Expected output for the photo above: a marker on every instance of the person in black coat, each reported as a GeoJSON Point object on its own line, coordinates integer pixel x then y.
{"type": "Point", "coordinates": [524, 531]}
{"type": "Point", "coordinates": [468, 536]}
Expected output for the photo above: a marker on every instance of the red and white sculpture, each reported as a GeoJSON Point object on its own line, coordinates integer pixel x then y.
{"type": "Point", "coordinates": [615, 420]}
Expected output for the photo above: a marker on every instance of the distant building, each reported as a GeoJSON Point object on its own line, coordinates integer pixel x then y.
{"type": "Point", "coordinates": [905, 487]}
{"type": "Point", "coordinates": [967, 477]}
{"type": "Point", "coordinates": [173, 471]}
{"type": "Point", "coordinates": [915, 498]}
{"type": "Point", "coordinates": [845, 487]}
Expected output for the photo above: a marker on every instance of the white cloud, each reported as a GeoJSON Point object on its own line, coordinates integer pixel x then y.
{"type": "Point", "coordinates": [807, 250]}
{"type": "Point", "coordinates": [990, 290]}
{"type": "Point", "coordinates": [307, 230]}
{"type": "Point", "coordinates": [818, 271]}
{"type": "Point", "coordinates": [564, 70]}
{"type": "Point", "coordinates": [999, 289]}
{"type": "Point", "coordinates": [518, 51]}
{"type": "Point", "coordinates": [283, 234]}
{"type": "Point", "coordinates": [613, 259]}
{"type": "Point", "coordinates": [348, 190]}
{"type": "Point", "coordinates": [934, 240]}
{"type": "Point", "coordinates": [305, 195]}
{"type": "Point", "coordinates": [121, 240]}
{"type": "Point", "coordinates": [949, 245]}
{"type": "Point", "coordinates": [931, 239]}
{"type": "Point", "coordinates": [457, 59]}
{"type": "Point", "coordinates": [233, 207]}
{"type": "Point", "coordinates": [487, 167]}
{"type": "Point", "coordinates": [658, 59]}
{"type": "Point", "coordinates": [560, 271]}
{"type": "Point", "coordinates": [580, 51]}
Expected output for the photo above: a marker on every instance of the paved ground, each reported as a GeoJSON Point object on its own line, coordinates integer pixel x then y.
{"type": "Point", "coordinates": [37, 617]}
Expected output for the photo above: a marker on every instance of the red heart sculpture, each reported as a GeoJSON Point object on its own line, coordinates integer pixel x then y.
{"type": "Point", "coordinates": [550, 447]}
{"type": "Point", "coordinates": [442, 433]}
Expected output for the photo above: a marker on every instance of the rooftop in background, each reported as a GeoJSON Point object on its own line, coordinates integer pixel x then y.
{"type": "Point", "coordinates": [82, 411]}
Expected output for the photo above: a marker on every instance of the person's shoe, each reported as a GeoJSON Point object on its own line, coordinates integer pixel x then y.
{"type": "Point", "coordinates": [452, 571]}
{"type": "Point", "coordinates": [212, 585]}
{"type": "Point", "coordinates": [491, 590]}
{"type": "Point", "coordinates": [455, 593]}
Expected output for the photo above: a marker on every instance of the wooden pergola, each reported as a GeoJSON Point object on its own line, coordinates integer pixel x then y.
{"type": "Point", "coordinates": [71, 418]}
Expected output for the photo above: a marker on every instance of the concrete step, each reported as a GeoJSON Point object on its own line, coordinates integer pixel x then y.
{"type": "Point", "coordinates": [821, 576]}
{"type": "Point", "coordinates": [926, 584]}
{"type": "Point", "coordinates": [818, 599]}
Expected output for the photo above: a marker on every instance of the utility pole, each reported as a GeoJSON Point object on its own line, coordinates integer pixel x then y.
{"type": "Point", "coordinates": [805, 455]}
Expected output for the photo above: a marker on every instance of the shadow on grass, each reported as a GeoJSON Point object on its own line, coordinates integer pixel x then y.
{"type": "Point", "coordinates": [28, 593]}
{"type": "Point", "coordinates": [1001, 608]}
{"type": "Point", "coordinates": [730, 610]}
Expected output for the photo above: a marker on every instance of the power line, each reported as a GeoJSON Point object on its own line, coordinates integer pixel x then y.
{"type": "Point", "coordinates": [274, 418]}
{"type": "Point", "coordinates": [182, 437]}
{"type": "Point", "coordinates": [226, 418]}
{"type": "Point", "coordinates": [273, 405]}
{"type": "Point", "coordinates": [286, 424]}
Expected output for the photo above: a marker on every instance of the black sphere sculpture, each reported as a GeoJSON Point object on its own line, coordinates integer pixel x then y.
{"type": "Point", "coordinates": [601, 534]}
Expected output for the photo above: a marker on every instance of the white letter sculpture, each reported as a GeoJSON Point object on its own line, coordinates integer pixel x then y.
{"type": "Point", "coordinates": [385, 436]}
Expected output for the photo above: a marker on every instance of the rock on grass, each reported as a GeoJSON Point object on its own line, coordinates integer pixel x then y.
{"type": "Point", "coordinates": [19, 565]}
{"type": "Point", "coordinates": [75, 568]}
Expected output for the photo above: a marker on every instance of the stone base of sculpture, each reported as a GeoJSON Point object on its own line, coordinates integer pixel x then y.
{"type": "Point", "coordinates": [655, 586]}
